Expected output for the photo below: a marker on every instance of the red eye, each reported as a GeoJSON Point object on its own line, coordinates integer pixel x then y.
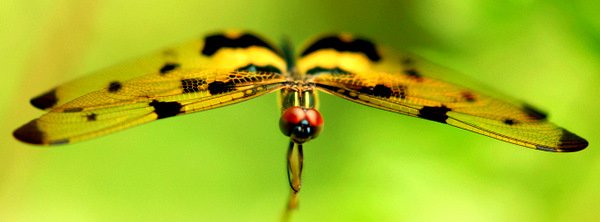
{"type": "Point", "coordinates": [314, 117]}
{"type": "Point", "coordinates": [301, 124]}
{"type": "Point", "coordinates": [293, 115]}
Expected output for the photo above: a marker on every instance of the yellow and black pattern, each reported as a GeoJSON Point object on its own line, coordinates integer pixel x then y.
{"type": "Point", "coordinates": [221, 69]}
{"type": "Point", "coordinates": [395, 83]}
{"type": "Point", "coordinates": [221, 51]}
{"type": "Point", "coordinates": [441, 102]}
{"type": "Point", "coordinates": [234, 66]}
{"type": "Point", "coordinates": [143, 100]}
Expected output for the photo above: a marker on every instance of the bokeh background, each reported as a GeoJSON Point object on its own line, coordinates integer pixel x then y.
{"type": "Point", "coordinates": [368, 165]}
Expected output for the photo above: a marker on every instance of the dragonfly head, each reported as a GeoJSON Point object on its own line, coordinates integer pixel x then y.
{"type": "Point", "coordinates": [301, 124]}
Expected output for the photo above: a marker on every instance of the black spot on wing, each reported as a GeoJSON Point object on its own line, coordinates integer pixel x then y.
{"type": "Point", "coordinates": [571, 142]}
{"type": "Point", "coordinates": [258, 69]}
{"type": "Point", "coordinates": [334, 42]}
{"type": "Point", "coordinates": [435, 113]}
{"type": "Point", "coordinates": [334, 71]}
{"type": "Point", "coordinates": [192, 85]}
{"type": "Point", "coordinates": [568, 142]}
{"type": "Point", "coordinates": [534, 113]}
{"type": "Point", "coordinates": [91, 117]}
{"type": "Point", "coordinates": [468, 96]}
{"type": "Point", "coordinates": [213, 43]}
{"type": "Point", "coordinates": [378, 91]}
{"type": "Point", "coordinates": [114, 86]}
{"type": "Point", "coordinates": [509, 122]}
{"type": "Point", "coordinates": [382, 91]}
{"type": "Point", "coordinates": [46, 100]}
{"type": "Point", "coordinates": [168, 67]}
{"type": "Point", "coordinates": [30, 133]}
{"type": "Point", "coordinates": [218, 87]}
{"type": "Point", "coordinates": [166, 109]}
{"type": "Point", "coordinates": [414, 74]}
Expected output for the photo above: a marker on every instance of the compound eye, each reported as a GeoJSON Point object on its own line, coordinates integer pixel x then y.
{"type": "Point", "coordinates": [301, 124]}
{"type": "Point", "coordinates": [314, 117]}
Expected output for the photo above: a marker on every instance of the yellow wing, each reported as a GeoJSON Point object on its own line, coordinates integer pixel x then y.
{"type": "Point", "coordinates": [233, 68]}
{"type": "Point", "coordinates": [399, 84]}
{"type": "Point", "coordinates": [143, 100]}
{"type": "Point", "coordinates": [227, 50]}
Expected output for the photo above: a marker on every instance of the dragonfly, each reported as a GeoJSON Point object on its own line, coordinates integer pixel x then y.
{"type": "Point", "coordinates": [230, 67]}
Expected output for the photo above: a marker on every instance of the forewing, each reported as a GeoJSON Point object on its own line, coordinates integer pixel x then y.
{"type": "Point", "coordinates": [223, 51]}
{"type": "Point", "coordinates": [145, 99]}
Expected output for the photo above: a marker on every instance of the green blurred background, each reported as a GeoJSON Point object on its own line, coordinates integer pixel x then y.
{"type": "Point", "coordinates": [368, 165]}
